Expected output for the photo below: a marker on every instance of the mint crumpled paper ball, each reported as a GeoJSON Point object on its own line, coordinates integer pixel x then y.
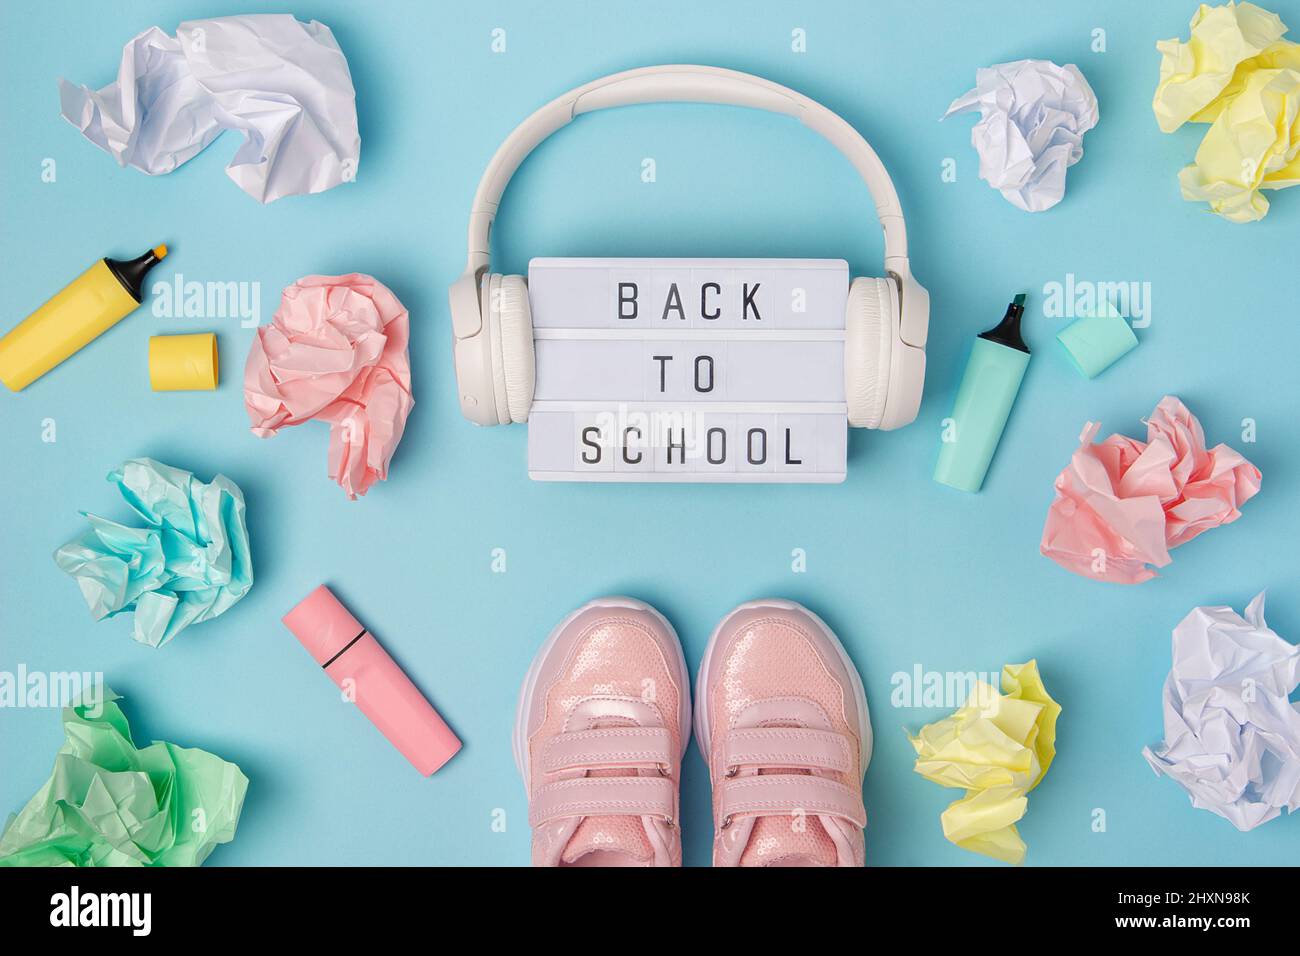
{"type": "Point", "coordinates": [189, 564]}
{"type": "Point", "coordinates": [108, 803]}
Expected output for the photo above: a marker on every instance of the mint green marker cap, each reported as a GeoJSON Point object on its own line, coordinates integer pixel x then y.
{"type": "Point", "coordinates": [1096, 342]}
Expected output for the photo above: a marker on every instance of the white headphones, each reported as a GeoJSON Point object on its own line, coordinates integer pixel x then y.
{"type": "Point", "coordinates": [886, 319]}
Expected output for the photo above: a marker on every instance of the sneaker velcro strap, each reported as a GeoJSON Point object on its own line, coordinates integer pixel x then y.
{"type": "Point", "coordinates": [604, 796]}
{"type": "Point", "coordinates": [782, 794]}
{"type": "Point", "coordinates": [609, 747]}
{"type": "Point", "coordinates": [787, 747]}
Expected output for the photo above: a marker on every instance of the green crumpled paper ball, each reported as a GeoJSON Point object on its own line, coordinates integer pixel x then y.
{"type": "Point", "coordinates": [109, 803]}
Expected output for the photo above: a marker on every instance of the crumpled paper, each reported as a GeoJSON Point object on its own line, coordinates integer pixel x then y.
{"type": "Point", "coordinates": [1033, 114]}
{"type": "Point", "coordinates": [998, 747]}
{"type": "Point", "coordinates": [1237, 73]}
{"type": "Point", "coordinates": [109, 803]}
{"type": "Point", "coordinates": [336, 350]}
{"type": "Point", "coordinates": [190, 564]}
{"type": "Point", "coordinates": [283, 84]}
{"type": "Point", "coordinates": [1122, 504]}
{"type": "Point", "coordinates": [1232, 736]}
{"type": "Point", "coordinates": [1253, 145]}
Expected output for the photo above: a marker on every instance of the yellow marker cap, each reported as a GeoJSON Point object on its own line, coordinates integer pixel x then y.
{"type": "Point", "coordinates": [183, 363]}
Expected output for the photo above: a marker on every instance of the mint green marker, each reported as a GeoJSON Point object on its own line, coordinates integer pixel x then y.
{"type": "Point", "coordinates": [988, 389]}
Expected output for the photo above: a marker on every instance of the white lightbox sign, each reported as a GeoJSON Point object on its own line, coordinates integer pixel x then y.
{"type": "Point", "coordinates": [688, 370]}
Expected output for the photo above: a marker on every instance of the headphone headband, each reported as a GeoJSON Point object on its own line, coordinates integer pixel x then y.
{"type": "Point", "coordinates": [686, 84]}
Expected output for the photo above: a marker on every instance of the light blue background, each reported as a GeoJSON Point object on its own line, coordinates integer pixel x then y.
{"type": "Point", "coordinates": [907, 572]}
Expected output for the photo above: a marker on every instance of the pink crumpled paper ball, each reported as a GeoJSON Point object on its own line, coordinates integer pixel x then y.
{"type": "Point", "coordinates": [1122, 504]}
{"type": "Point", "coordinates": [336, 350]}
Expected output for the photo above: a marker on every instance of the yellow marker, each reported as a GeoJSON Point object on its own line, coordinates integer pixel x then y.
{"type": "Point", "coordinates": [183, 363]}
{"type": "Point", "coordinates": [85, 308]}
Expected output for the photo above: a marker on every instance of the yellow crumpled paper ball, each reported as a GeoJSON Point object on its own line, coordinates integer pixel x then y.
{"type": "Point", "coordinates": [998, 747]}
{"type": "Point", "coordinates": [1237, 73]}
{"type": "Point", "coordinates": [1195, 74]}
{"type": "Point", "coordinates": [1254, 144]}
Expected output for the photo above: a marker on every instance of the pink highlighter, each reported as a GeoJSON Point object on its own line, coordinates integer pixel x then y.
{"type": "Point", "coordinates": [348, 652]}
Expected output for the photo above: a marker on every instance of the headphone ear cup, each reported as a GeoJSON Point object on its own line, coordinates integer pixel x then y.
{"type": "Point", "coordinates": [518, 362]}
{"type": "Point", "coordinates": [491, 292]}
{"type": "Point", "coordinates": [869, 330]}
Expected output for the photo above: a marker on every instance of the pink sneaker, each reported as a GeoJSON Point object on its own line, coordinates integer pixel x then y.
{"type": "Point", "coordinates": [604, 718]}
{"type": "Point", "coordinates": [781, 717]}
